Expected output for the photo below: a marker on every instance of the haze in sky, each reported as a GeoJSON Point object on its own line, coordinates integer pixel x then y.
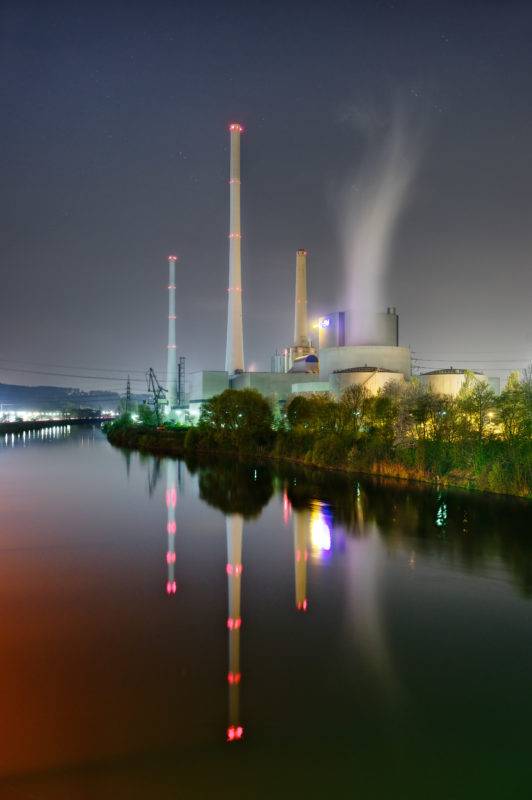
{"type": "Point", "coordinates": [115, 153]}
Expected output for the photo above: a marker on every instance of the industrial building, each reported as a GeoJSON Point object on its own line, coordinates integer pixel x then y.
{"type": "Point", "coordinates": [450, 381]}
{"type": "Point", "coordinates": [348, 353]}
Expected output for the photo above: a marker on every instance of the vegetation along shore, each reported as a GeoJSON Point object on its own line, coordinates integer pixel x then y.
{"type": "Point", "coordinates": [475, 440]}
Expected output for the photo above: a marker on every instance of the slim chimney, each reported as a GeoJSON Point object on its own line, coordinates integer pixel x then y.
{"type": "Point", "coordinates": [234, 354]}
{"type": "Point", "coordinates": [300, 316]}
{"type": "Point", "coordinates": [171, 369]}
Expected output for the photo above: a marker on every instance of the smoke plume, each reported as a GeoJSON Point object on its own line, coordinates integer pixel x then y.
{"type": "Point", "coordinates": [372, 206]}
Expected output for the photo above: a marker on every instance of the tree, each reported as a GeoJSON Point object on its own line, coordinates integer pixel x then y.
{"type": "Point", "coordinates": [147, 415]}
{"type": "Point", "coordinates": [354, 402]}
{"type": "Point", "coordinates": [238, 419]}
{"type": "Point", "coordinates": [474, 401]}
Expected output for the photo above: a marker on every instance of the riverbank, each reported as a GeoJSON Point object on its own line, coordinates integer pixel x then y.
{"type": "Point", "coordinates": [158, 442]}
{"type": "Point", "coordinates": [176, 443]}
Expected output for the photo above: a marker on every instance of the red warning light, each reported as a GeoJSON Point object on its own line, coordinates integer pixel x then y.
{"type": "Point", "coordinates": [173, 258]}
{"type": "Point", "coordinates": [234, 732]}
{"type": "Point", "coordinates": [236, 127]}
{"type": "Point", "coordinates": [304, 605]}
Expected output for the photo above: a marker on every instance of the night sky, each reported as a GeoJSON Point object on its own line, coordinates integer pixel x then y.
{"type": "Point", "coordinates": [115, 153]}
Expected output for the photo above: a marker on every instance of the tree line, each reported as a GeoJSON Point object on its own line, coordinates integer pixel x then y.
{"type": "Point", "coordinates": [475, 439]}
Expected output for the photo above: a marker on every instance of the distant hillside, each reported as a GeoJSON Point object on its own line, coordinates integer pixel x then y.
{"type": "Point", "coordinates": [54, 398]}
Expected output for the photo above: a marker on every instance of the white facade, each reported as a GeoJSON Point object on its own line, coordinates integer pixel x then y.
{"type": "Point", "coordinates": [396, 359]}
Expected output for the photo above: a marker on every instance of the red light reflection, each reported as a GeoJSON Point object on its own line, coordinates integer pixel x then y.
{"type": "Point", "coordinates": [234, 732]}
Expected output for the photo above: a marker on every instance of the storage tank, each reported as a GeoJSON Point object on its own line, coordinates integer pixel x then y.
{"type": "Point", "coordinates": [336, 359]}
{"type": "Point", "coordinates": [448, 381]}
{"type": "Point", "coordinates": [371, 378]}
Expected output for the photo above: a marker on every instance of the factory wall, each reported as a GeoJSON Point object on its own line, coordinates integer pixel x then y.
{"type": "Point", "coordinates": [271, 384]}
{"type": "Point", "coordinates": [396, 359]}
{"type": "Point", "coordinates": [206, 383]}
{"type": "Point", "coordinates": [310, 386]}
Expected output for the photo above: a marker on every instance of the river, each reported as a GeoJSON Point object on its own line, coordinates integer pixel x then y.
{"type": "Point", "coordinates": [223, 629]}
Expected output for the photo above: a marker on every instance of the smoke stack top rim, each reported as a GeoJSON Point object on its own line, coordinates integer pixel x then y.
{"type": "Point", "coordinates": [173, 258]}
{"type": "Point", "coordinates": [302, 253]}
{"type": "Point", "coordinates": [235, 126]}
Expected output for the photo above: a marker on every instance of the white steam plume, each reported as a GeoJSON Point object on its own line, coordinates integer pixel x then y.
{"type": "Point", "coordinates": [372, 206]}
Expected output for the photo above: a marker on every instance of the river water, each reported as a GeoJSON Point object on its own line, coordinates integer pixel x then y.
{"type": "Point", "coordinates": [223, 629]}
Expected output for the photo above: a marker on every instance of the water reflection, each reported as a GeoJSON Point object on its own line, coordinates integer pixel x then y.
{"type": "Point", "coordinates": [385, 608]}
{"type": "Point", "coordinates": [301, 531]}
{"type": "Point", "coordinates": [234, 524]}
{"type": "Point", "coordinates": [234, 486]}
{"type": "Point", "coordinates": [320, 529]}
{"type": "Point", "coordinates": [57, 432]}
{"type": "Point", "coordinates": [171, 524]}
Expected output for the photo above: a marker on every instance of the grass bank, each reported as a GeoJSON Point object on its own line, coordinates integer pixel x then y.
{"type": "Point", "coordinates": [482, 470]}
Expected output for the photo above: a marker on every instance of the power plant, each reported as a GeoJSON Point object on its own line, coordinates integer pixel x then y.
{"type": "Point", "coordinates": [345, 353]}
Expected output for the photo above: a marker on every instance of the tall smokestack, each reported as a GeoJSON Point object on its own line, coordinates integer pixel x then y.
{"type": "Point", "coordinates": [171, 369]}
{"type": "Point", "coordinates": [300, 316]}
{"type": "Point", "coordinates": [234, 354]}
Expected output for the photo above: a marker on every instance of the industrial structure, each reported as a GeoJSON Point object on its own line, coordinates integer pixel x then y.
{"type": "Point", "coordinates": [450, 381]}
{"type": "Point", "coordinates": [347, 353]}
{"type": "Point", "coordinates": [234, 352]}
{"type": "Point", "coordinates": [171, 364]}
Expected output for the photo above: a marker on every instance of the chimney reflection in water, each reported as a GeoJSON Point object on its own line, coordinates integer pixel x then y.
{"type": "Point", "coordinates": [234, 525]}
{"type": "Point", "coordinates": [301, 528]}
{"type": "Point", "coordinates": [171, 525]}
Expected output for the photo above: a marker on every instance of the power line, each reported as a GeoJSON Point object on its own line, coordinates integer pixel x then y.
{"type": "Point", "coordinates": [68, 366]}
{"type": "Point", "coordinates": [69, 375]}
